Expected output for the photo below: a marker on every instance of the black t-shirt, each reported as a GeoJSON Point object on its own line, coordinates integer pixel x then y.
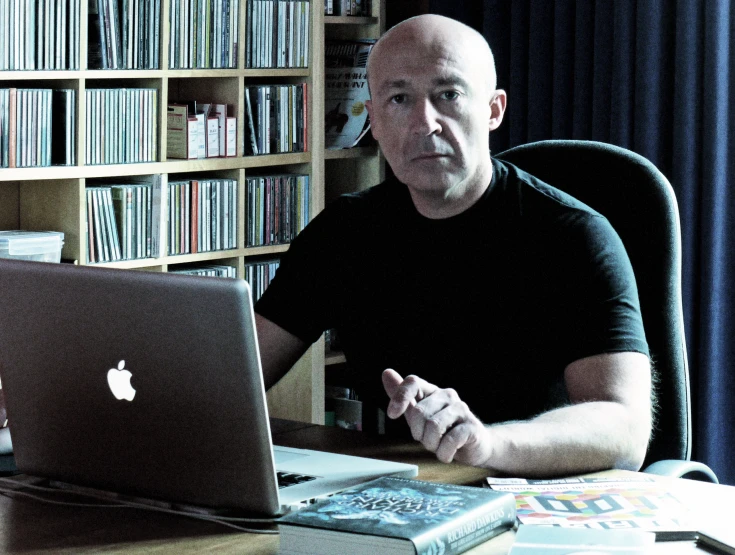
{"type": "Point", "coordinates": [494, 302]}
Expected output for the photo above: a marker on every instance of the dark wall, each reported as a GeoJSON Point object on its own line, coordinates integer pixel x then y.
{"type": "Point", "coordinates": [398, 10]}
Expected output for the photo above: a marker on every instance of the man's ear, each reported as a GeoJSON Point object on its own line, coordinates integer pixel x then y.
{"type": "Point", "coordinates": [373, 130]}
{"type": "Point", "coordinates": [497, 108]}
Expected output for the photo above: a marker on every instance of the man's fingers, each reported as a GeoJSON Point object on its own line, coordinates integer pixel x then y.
{"type": "Point", "coordinates": [404, 393]}
{"type": "Point", "coordinates": [391, 381]}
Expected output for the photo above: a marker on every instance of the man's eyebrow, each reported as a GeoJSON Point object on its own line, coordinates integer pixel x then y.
{"type": "Point", "coordinates": [395, 84]}
{"type": "Point", "coordinates": [453, 80]}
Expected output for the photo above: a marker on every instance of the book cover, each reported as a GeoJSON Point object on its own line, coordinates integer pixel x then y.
{"type": "Point", "coordinates": [409, 516]}
{"type": "Point", "coordinates": [177, 131]}
{"type": "Point", "coordinates": [346, 118]}
{"type": "Point", "coordinates": [600, 503]}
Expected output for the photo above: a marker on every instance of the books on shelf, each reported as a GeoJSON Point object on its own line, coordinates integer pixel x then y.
{"type": "Point", "coordinates": [124, 34]}
{"type": "Point", "coordinates": [397, 515]}
{"type": "Point", "coordinates": [121, 126]}
{"type": "Point", "coordinates": [37, 127]}
{"type": "Point", "coordinates": [201, 130]}
{"type": "Point", "coordinates": [204, 34]}
{"type": "Point", "coordinates": [202, 215]}
{"type": "Point", "coordinates": [123, 220]}
{"type": "Point", "coordinates": [600, 503]}
{"type": "Point", "coordinates": [275, 118]}
{"type": "Point", "coordinates": [276, 208]}
{"type": "Point", "coordinates": [259, 275]}
{"type": "Point", "coordinates": [348, 7]}
{"type": "Point", "coordinates": [345, 92]}
{"type": "Point", "coordinates": [208, 270]}
{"type": "Point", "coordinates": [39, 34]}
{"type": "Point", "coordinates": [277, 33]}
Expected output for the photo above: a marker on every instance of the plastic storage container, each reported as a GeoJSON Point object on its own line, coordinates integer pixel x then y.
{"type": "Point", "coordinates": [43, 246]}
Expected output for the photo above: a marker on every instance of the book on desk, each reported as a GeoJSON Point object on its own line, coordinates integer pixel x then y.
{"type": "Point", "coordinates": [396, 515]}
{"type": "Point", "coordinates": [600, 503]}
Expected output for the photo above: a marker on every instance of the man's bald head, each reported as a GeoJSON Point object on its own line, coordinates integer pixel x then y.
{"type": "Point", "coordinates": [432, 33]}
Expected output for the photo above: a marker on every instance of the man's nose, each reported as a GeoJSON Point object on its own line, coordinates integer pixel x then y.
{"type": "Point", "coordinates": [425, 118]}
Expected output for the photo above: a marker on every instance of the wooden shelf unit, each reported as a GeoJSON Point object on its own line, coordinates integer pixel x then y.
{"type": "Point", "coordinates": [53, 198]}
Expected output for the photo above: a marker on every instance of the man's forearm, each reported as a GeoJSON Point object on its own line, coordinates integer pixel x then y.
{"type": "Point", "coordinates": [578, 438]}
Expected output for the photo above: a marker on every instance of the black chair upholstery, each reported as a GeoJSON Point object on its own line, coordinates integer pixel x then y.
{"type": "Point", "coordinates": [640, 204]}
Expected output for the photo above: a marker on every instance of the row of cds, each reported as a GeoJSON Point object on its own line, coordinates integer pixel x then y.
{"type": "Point", "coordinates": [120, 223]}
{"type": "Point", "coordinates": [259, 276]}
{"type": "Point", "coordinates": [278, 34]}
{"type": "Point", "coordinates": [124, 34]}
{"type": "Point", "coordinates": [121, 126]}
{"type": "Point", "coordinates": [277, 208]}
{"type": "Point", "coordinates": [204, 34]}
{"type": "Point", "coordinates": [36, 127]}
{"type": "Point", "coordinates": [39, 34]}
{"type": "Point", "coordinates": [202, 215]}
{"type": "Point", "coordinates": [208, 270]}
{"type": "Point", "coordinates": [275, 119]}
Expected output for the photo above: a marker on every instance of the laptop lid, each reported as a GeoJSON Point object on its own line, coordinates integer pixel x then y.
{"type": "Point", "coordinates": [190, 423]}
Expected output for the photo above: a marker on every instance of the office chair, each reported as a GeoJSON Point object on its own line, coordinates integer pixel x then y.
{"type": "Point", "coordinates": [640, 204]}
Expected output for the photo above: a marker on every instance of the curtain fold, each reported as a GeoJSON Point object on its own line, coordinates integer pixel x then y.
{"type": "Point", "coordinates": [656, 77]}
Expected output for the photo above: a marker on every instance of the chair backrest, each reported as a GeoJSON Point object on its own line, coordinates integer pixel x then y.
{"type": "Point", "coordinates": [640, 204]}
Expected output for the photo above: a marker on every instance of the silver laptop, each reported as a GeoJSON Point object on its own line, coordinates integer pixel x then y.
{"type": "Point", "coordinates": [149, 384]}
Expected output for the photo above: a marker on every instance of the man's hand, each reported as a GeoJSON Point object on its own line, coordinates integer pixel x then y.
{"type": "Point", "coordinates": [438, 418]}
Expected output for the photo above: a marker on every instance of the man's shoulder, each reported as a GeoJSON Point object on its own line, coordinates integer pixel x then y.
{"type": "Point", "coordinates": [537, 197]}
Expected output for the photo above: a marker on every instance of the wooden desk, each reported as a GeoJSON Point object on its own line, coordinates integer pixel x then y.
{"type": "Point", "coordinates": [30, 527]}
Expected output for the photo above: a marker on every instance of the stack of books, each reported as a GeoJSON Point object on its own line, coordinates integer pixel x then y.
{"type": "Point", "coordinates": [120, 220]}
{"type": "Point", "coordinates": [121, 126]}
{"type": "Point", "coordinates": [277, 208]}
{"type": "Point", "coordinates": [208, 270]}
{"type": "Point", "coordinates": [204, 34]}
{"type": "Point", "coordinates": [278, 34]}
{"type": "Point", "coordinates": [202, 215]}
{"type": "Point", "coordinates": [201, 130]}
{"type": "Point", "coordinates": [275, 119]}
{"type": "Point", "coordinates": [124, 34]}
{"type": "Point", "coordinates": [39, 34]}
{"type": "Point", "coordinates": [37, 127]}
{"type": "Point", "coordinates": [259, 275]}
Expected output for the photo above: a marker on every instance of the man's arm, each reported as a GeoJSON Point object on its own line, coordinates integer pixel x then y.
{"type": "Point", "coordinates": [607, 424]}
{"type": "Point", "coordinates": [279, 349]}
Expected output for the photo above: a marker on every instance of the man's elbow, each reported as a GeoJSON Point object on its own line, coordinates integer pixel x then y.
{"type": "Point", "coordinates": [635, 445]}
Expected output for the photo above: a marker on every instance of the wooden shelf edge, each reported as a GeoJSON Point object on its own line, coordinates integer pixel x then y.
{"type": "Point", "coordinates": [140, 263]}
{"type": "Point", "coordinates": [347, 153]}
{"type": "Point", "coordinates": [170, 166]}
{"type": "Point", "coordinates": [104, 74]}
{"type": "Point", "coordinates": [349, 20]}
{"type": "Point", "coordinates": [334, 357]}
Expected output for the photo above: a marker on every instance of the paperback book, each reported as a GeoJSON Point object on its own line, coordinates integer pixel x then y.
{"type": "Point", "coordinates": [600, 503]}
{"type": "Point", "coordinates": [396, 515]}
{"type": "Point", "coordinates": [544, 540]}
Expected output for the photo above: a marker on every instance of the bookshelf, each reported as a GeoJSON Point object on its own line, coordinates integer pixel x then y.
{"type": "Point", "coordinates": [53, 198]}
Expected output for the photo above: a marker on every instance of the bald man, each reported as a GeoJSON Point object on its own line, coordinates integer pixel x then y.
{"type": "Point", "coordinates": [495, 318]}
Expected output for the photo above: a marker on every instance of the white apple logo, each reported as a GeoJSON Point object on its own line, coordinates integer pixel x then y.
{"type": "Point", "coordinates": [119, 381]}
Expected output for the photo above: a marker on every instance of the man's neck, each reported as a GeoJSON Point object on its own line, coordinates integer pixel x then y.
{"type": "Point", "coordinates": [456, 200]}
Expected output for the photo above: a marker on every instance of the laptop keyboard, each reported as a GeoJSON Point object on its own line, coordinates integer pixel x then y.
{"type": "Point", "coordinates": [286, 479]}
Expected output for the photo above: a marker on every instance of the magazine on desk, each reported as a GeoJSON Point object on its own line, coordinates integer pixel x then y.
{"type": "Point", "coordinates": [397, 515]}
{"type": "Point", "coordinates": [600, 503]}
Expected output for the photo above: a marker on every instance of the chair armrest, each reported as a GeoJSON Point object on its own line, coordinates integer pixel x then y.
{"type": "Point", "coordinates": [683, 469]}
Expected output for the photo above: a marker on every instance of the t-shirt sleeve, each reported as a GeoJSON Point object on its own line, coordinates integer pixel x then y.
{"type": "Point", "coordinates": [603, 311]}
{"type": "Point", "coordinates": [297, 299]}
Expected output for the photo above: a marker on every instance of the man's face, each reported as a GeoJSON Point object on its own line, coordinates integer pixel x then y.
{"type": "Point", "coordinates": [431, 113]}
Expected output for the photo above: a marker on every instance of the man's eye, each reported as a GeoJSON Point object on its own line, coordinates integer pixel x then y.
{"type": "Point", "coordinates": [398, 98]}
{"type": "Point", "coordinates": [450, 95]}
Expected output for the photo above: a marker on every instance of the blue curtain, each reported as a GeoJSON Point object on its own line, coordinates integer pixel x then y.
{"type": "Point", "coordinates": [656, 77]}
